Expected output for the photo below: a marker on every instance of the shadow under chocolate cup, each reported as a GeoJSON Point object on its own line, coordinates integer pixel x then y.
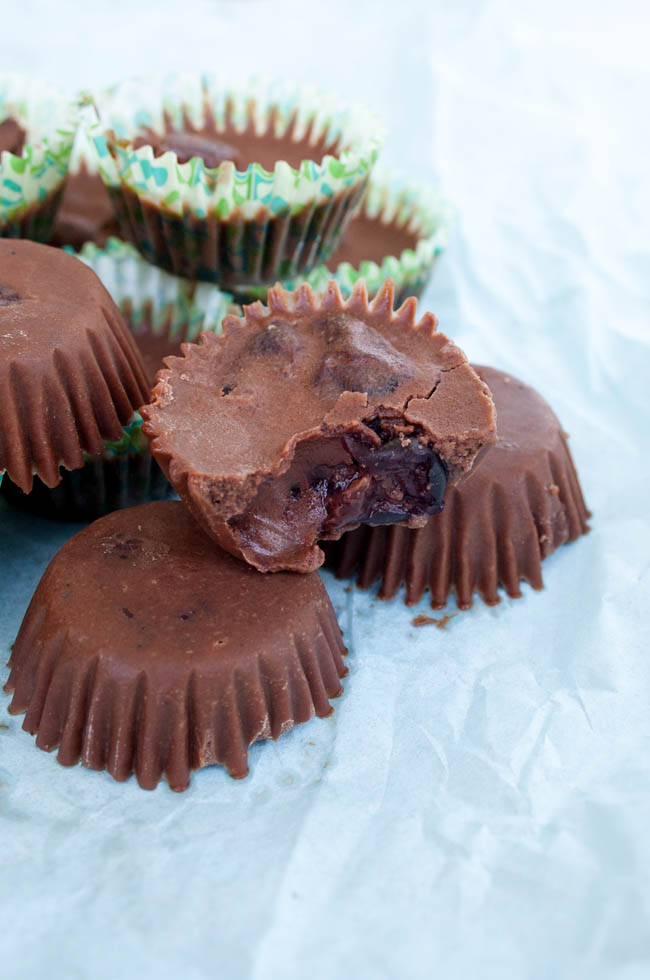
{"type": "Point", "coordinates": [37, 131]}
{"type": "Point", "coordinates": [520, 502]}
{"type": "Point", "coordinates": [162, 312]}
{"type": "Point", "coordinates": [147, 650]}
{"type": "Point", "coordinates": [398, 233]}
{"type": "Point", "coordinates": [230, 185]}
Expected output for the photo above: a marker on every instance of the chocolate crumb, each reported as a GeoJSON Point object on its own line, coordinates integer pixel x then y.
{"type": "Point", "coordinates": [430, 620]}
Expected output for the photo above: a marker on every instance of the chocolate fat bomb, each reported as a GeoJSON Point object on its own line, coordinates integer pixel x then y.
{"type": "Point", "coordinates": [147, 649]}
{"type": "Point", "coordinates": [70, 373]}
{"type": "Point", "coordinates": [521, 502]}
{"type": "Point", "coordinates": [308, 418]}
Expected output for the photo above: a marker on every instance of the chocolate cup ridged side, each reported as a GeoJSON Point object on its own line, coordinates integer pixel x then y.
{"type": "Point", "coordinates": [473, 549]}
{"type": "Point", "coordinates": [53, 413]}
{"type": "Point", "coordinates": [98, 712]}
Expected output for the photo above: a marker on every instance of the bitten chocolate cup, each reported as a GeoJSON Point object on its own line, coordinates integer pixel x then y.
{"type": "Point", "coordinates": [70, 373]}
{"type": "Point", "coordinates": [311, 416]}
{"type": "Point", "coordinates": [146, 649]}
{"type": "Point", "coordinates": [521, 502]}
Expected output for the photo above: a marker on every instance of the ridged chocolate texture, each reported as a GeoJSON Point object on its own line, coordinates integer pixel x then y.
{"type": "Point", "coordinates": [521, 502]}
{"type": "Point", "coordinates": [113, 480]}
{"type": "Point", "coordinates": [146, 649]}
{"type": "Point", "coordinates": [70, 373]}
{"type": "Point", "coordinates": [309, 416]}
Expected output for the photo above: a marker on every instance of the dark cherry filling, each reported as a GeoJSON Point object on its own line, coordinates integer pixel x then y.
{"type": "Point", "coordinates": [389, 483]}
{"type": "Point", "coordinates": [382, 484]}
{"type": "Point", "coordinates": [337, 483]}
{"type": "Point", "coordinates": [12, 136]}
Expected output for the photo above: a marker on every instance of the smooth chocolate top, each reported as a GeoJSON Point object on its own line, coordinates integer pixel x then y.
{"type": "Point", "coordinates": [146, 649]}
{"type": "Point", "coordinates": [70, 374]}
{"type": "Point", "coordinates": [86, 213]}
{"type": "Point", "coordinates": [12, 136]}
{"type": "Point", "coordinates": [48, 300]}
{"type": "Point", "coordinates": [216, 144]}
{"type": "Point", "coordinates": [371, 239]}
{"type": "Point", "coordinates": [147, 586]}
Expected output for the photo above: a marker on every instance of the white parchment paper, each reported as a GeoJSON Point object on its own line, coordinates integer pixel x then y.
{"type": "Point", "coordinates": [479, 804]}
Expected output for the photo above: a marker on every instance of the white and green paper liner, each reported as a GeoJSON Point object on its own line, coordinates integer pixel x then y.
{"type": "Point", "coordinates": [391, 199]}
{"type": "Point", "coordinates": [126, 474]}
{"type": "Point", "coordinates": [142, 291]}
{"type": "Point", "coordinates": [31, 184]}
{"type": "Point", "coordinates": [222, 225]}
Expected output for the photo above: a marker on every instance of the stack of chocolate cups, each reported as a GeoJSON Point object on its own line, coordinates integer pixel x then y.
{"type": "Point", "coordinates": [329, 425]}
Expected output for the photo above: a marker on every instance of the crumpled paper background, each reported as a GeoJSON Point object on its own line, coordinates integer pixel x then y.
{"type": "Point", "coordinates": [478, 806]}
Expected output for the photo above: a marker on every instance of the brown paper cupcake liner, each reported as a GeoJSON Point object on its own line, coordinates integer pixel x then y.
{"type": "Point", "coordinates": [168, 714]}
{"type": "Point", "coordinates": [493, 532]}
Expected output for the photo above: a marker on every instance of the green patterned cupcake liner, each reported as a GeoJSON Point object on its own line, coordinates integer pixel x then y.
{"type": "Point", "coordinates": [126, 473]}
{"type": "Point", "coordinates": [219, 224]}
{"type": "Point", "coordinates": [391, 200]}
{"type": "Point", "coordinates": [32, 182]}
